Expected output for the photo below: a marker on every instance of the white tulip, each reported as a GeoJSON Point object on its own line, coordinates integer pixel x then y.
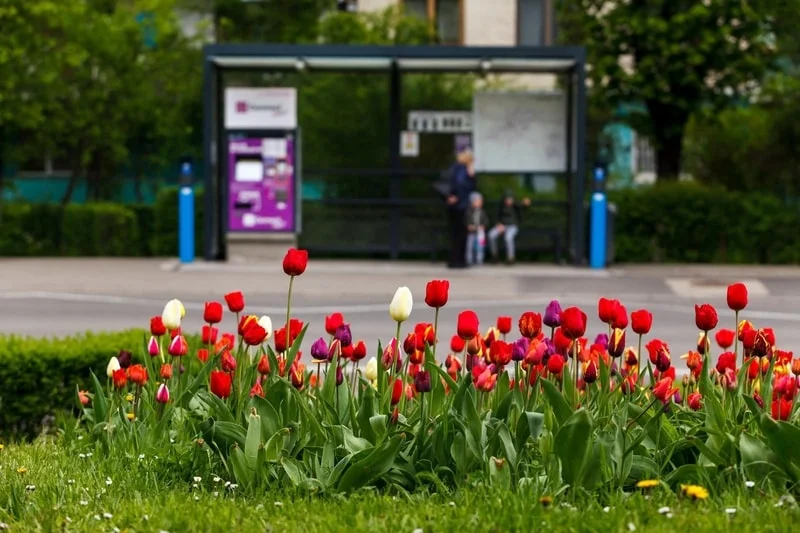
{"type": "Point", "coordinates": [400, 308]}
{"type": "Point", "coordinates": [371, 371]}
{"type": "Point", "coordinates": [266, 323]}
{"type": "Point", "coordinates": [113, 366]}
{"type": "Point", "coordinates": [173, 313]}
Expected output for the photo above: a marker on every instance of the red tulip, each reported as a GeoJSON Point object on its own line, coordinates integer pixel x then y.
{"type": "Point", "coordinates": [781, 409]}
{"type": "Point", "coordinates": [202, 355]}
{"type": "Point", "coordinates": [621, 320]}
{"type": "Point", "coordinates": [590, 372]}
{"type": "Point", "coordinates": [227, 362]}
{"type": "Point", "coordinates": [333, 322]}
{"type": "Point", "coordinates": [436, 293]}
{"type": "Point", "coordinates": [641, 321]}
{"type": "Point", "coordinates": [504, 324]}
{"type": "Point", "coordinates": [257, 390]}
{"type": "Point", "coordinates": [295, 262]}
{"type": "Point", "coordinates": [530, 324]}
{"type": "Point", "coordinates": [157, 327]}
{"type": "Point", "coordinates": [166, 371]}
{"type": "Point", "coordinates": [120, 378]}
{"type": "Point", "coordinates": [467, 325]}
{"type": "Point", "coordinates": [705, 317]}
{"type": "Point", "coordinates": [616, 344]}
{"type": "Point", "coordinates": [208, 334]}
{"type": "Point", "coordinates": [695, 401]}
{"type": "Point", "coordinates": [212, 313]}
{"type": "Point", "coordinates": [561, 342]}
{"type": "Point", "coordinates": [178, 347]}
{"type": "Point", "coordinates": [573, 322]}
{"type": "Point", "coordinates": [726, 361]}
{"type": "Point", "coordinates": [664, 390]}
{"type": "Point", "coordinates": [737, 296]}
{"type": "Point", "coordinates": [555, 364]}
{"type": "Point", "coordinates": [724, 338]}
{"type": "Point", "coordinates": [235, 301]}
{"type": "Point", "coordinates": [397, 391]}
{"type": "Point", "coordinates": [263, 365]}
{"type": "Point", "coordinates": [220, 383]}
{"type": "Point", "coordinates": [359, 351]}
{"type": "Point", "coordinates": [607, 310]}
{"type": "Point", "coordinates": [137, 374]}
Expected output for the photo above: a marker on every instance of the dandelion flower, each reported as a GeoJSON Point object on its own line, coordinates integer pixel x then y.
{"type": "Point", "coordinates": [695, 492]}
{"type": "Point", "coordinates": [129, 397]}
{"type": "Point", "coordinates": [1, 447]}
{"type": "Point", "coordinates": [647, 484]}
{"type": "Point", "coordinates": [131, 416]}
{"type": "Point", "coordinates": [21, 470]}
{"type": "Point", "coordinates": [546, 501]}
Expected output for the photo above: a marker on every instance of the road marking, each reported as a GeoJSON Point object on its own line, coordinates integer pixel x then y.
{"type": "Point", "coordinates": [632, 301]}
{"type": "Point", "coordinates": [713, 288]}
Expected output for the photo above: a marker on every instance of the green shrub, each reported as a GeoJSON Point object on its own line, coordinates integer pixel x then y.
{"type": "Point", "coordinates": [691, 223]}
{"type": "Point", "coordinates": [38, 376]}
{"type": "Point", "coordinates": [99, 230]}
{"type": "Point", "coordinates": [144, 222]}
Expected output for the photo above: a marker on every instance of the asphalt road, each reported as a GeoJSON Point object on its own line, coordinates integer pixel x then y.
{"type": "Point", "coordinates": [63, 297]}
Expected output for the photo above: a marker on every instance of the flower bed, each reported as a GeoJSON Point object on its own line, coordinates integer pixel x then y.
{"type": "Point", "coordinates": [547, 408]}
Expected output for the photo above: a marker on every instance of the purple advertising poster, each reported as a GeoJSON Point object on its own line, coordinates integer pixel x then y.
{"type": "Point", "coordinates": [261, 184]}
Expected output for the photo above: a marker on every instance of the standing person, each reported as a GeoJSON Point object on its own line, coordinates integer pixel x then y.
{"type": "Point", "coordinates": [475, 221]}
{"type": "Point", "coordinates": [462, 184]}
{"type": "Point", "coordinates": [508, 217]}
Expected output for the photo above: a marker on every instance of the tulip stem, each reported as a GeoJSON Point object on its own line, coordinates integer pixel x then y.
{"type": "Point", "coordinates": [289, 314]}
{"type": "Point", "coordinates": [736, 338]}
{"type": "Point", "coordinates": [435, 331]}
{"type": "Point", "coordinates": [575, 372]}
{"type": "Point", "coordinates": [639, 361]}
{"type": "Point", "coordinates": [632, 422]}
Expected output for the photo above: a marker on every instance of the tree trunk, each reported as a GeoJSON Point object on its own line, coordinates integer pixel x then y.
{"type": "Point", "coordinates": [668, 157]}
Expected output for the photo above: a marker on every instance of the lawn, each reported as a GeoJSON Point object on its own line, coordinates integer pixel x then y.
{"type": "Point", "coordinates": [61, 489]}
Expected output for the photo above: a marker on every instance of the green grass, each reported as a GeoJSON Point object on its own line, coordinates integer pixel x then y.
{"type": "Point", "coordinates": [60, 490]}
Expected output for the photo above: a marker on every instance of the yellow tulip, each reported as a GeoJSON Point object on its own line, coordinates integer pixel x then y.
{"type": "Point", "coordinates": [371, 371]}
{"type": "Point", "coordinates": [173, 313]}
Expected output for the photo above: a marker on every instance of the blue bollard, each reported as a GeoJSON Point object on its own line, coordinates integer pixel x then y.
{"type": "Point", "coordinates": [597, 242]}
{"type": "Point", "coordinates": [186, 224]}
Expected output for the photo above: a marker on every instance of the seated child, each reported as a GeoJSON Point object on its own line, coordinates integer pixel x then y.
{"type": "Point", "coordinates": [476, 222]}
{"type": "Point", "coordinates": [508, 217]}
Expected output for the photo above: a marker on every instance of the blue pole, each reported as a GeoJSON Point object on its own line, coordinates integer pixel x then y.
{"type": "Point", "coordinates": [597, 231]}
{"type": "Point", "coordinates": [186, 220]}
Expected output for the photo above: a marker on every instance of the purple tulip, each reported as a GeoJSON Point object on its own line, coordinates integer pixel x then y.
{"type": "Point", "coordinates": [339, 375]}
{"type": "Point", "coordinates": [343, 335]}
{"type": "Point", "coordinates": [422, 381]}
{"type": "Point", "coordinates": [549, 349]}
{"type": "Point", "coordinates": [319, 350]}
{"type": "Point", "coordinates": [552, 315]}
{"type": "Point", "coordinates": [602, 340]}
{"type": "Point", "coordinates": [125, 358]}
{"type": "Point", "coordinates": [519, 349]}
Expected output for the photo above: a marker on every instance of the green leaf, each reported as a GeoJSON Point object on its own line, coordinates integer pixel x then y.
{"type": "Point", "coordinates": [365, 413]}
{"type": "Point", "coordinates": [270, 419]}
{"type": "Point", "coordinates": [499, 474]}
{"type": "Point", "coordinates": [371, 467]}
{"type": "Point", "coordinates": [242, 472]}
{"type": "Point", "coordinates": [572, 445]}
{"type": "Point", "coordinates": [224, 434]}
{"type": "Point", "coordinates": [293, 471]}
{"type": "Point", "coordinates": [253, 440]}
{"type": "Point", "coordinates": [99, 402]}
{"type": "Point", "coordinates": [275, 444]}
{"type": "Point", "coordinates": [508, 446]}
{"type": "Point", "coordinates": [529, 425]}
{"type": "Point", "coordinates": [561, 408]}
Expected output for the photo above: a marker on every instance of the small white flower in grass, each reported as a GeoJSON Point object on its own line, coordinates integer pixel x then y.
{"type": "Point", "coordinates": [232, 486]}
{"type": "Point", "coordinates": [606, 509]}
{"type": "Point", "coordinates": [82, 455]}
{"type": "Point", "coordinates": [70, 482]}
{"type": "Point", "coordinates": [141, 456]}
{"type": "Point", "coordinates": [89, 454]}
{"type": "Point", "coordinates": [146, 518]}
{"type": "Point", "coordinates": [663, 510]}
{"type": "Point", "coordinates": [108, 482]}
{"type": "Point", "coordinates": [216, 494]}
{"type": "Point", "coordinates": [452, 504]}
{"type": "Point", "coordinates": [68, 520]}
{"type": "Point", "coordinates": [217, 479]}
{"type": "Point", "coordinates": [115, 530]}
{"type": "Point", "coordinates": [80, 437]}
{"type": "Point", "coordinates": [278, 504]}
{"type": "Point", "coordinates": [631, 526]}
{"type": "Point", "coordinates": [163, 531]}
{"type": "Point", "coordinates": [227, 484]}
{"type": "Point", "coordinates": [83, 502]}
{"type": "Point", "coordinates": [171, 441]}
{"type": "Point", "coordinates": [96, 517]}
{"type": "Point", "coordinates": [749, 484]}
{"type": "Point", "coordinates": [418, 530]}
{"type": "Point", "coordinates": [108, 516]}
{"type": "Point", "coordinates": [197, 498]}
{"type": "Point", "coordinates": [730, 511]}
{"type": "Point", "coordinates": [3, 526]}
{"type": "Point", "coordinates": [197, 479]}
{"type": "Point", "coordinates": [669, 515]}
{"type": "Point", "coordinates": [30, 488]}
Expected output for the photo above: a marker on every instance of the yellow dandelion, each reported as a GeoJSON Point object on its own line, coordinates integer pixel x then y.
{"type": "Point", "coordinates": [129, 398]}
{"type": "Point", "coordinates": [546, 501]}
{"type": "Point", "coordinates": [647, 484]}
{"type": "Point", "coordinates": [1, 447]}
{"type": "Point", "coordinates": [131, 416]}
{"type": "Point", "coordinates": [21, 470]}
{"type": "Point", "coordinates": [695, 492]}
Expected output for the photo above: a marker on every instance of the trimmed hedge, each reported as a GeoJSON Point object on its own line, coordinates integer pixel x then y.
{"type": "Point", "coordinates": [675, 222]}
{"type": "Point", "coordinates": [38, 376]}
{"type": "Point", "coordinates": [691, 223]}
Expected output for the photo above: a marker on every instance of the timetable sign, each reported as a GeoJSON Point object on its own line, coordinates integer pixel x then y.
{"type": "Point", "coordinates": [440, 121]}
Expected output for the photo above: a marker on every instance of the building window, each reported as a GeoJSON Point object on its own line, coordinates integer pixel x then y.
{"type": "Point", "coordinates": [445, 16]}
{"type": "Point", "coordinates": [535, 22]}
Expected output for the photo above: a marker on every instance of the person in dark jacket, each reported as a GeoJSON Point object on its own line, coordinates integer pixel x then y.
{"type": "Point", "coordinates": [476, 221]}
{"type": "Point", "coordinates": [507, 225]}
{"type": "Point", "coordinates": [462, 184]}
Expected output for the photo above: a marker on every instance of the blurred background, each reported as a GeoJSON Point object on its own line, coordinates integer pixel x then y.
{"type": "Point", "coordinates": [694, 111]}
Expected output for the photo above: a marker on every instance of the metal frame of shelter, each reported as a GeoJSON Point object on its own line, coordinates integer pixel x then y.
{"type": "Point", "coordinates": [393, 60]}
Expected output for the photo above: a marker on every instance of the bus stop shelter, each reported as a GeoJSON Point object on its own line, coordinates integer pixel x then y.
{"type": "Point", "coordinates": [567, 62]}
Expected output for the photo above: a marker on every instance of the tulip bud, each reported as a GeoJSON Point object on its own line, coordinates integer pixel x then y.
{"type": "Point", "coordinates": [339, 375]}
{"type": "Point", "coordinates": [519, 349]}
{"type": "Point", "coordinates": [178, 347]}
{"type": "Point", "coordinates": [113, 366]}
{"type": "Point", "coordinates": [319, 350]}
{"type": "Point", "coordinates": [202, 355]}
{"type": "Point", "coordinates": [474, 346]}
{"type": "Point", "coordinates": [695, 401]}
{"type": "Point", "coordinates": [397, 391]}
{"type": "Point", "coordinates": [166, 371]}
{"type": "Point", "coordinates": [422, 381]}
{"type": "Point", "coordinates": [616, 344]}
{"type": "Point", "coordinates": [371, 370]}
{"type": "Point", "coordinates": [162, 394]}
{"type": "Point", "coordinates": [227, 362]}
{"type": "Point", "coordinates": [400, 308]}
{"type": "Point", "coordinates": [263, 365]}
{"type": "Point", "coordinates": [395, 416]}
{"type": "Point", "coordinates": [257, 390]}
{"type": "Point", "coordinates": [152, 347]}
{"type": "Point", "coordinates": [590, 373]}
{"type": "Point", "coordinates": [83, 397]}
{"type": "Point", "coordinates": [410, 344]}
{"type": "Point", "coordinates": [172, 314]}
{"type": "Point", "coordinates": [796, 367]}
{"type": "Point", "coordinates": [359, 351]}
{"type": "Point", "coordinates": [343, 335]}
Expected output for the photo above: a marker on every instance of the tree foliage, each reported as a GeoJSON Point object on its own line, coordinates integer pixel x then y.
{"type": "Point", "coordinates": [676, 57]}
